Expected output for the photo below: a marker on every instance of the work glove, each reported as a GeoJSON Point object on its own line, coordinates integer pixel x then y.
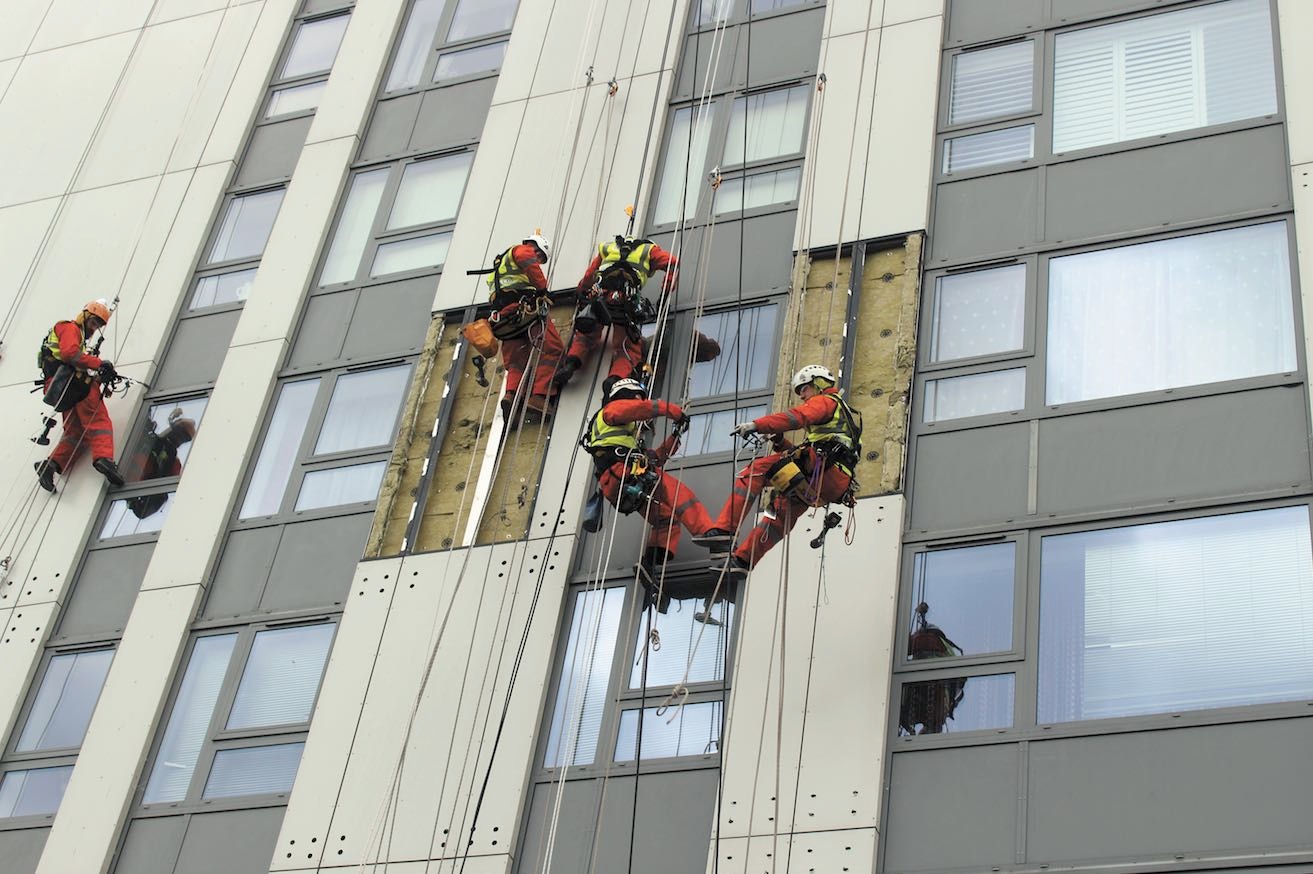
{"type": "Point", "coordinates": [107, 373]}
{"type": "Point", "coordinates": [743, 429]}
{"type": "Point", "coordinates": [682, 421]}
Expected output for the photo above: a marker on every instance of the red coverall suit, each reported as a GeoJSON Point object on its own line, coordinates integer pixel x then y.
{"type": "Point", "coordinates": [626, 352]}
{"type": "Point", "coordinates": [832, 484]}
{"type": "Point", "coordinates": [515, 352]}
{"type": "Point", "coordinates": [673, 503]}
{"type": "Point", "coordinates": [87, 423]}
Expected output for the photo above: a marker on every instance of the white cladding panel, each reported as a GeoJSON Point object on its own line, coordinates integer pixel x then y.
{"type": "Point", "coordinates": [1295, 24]}
{"type": "Point", "coordinates": [73, 21]}
{"type": "Point", "coordinates": [354, 82]}
{"type": "Point", "coordinates": [22, 638]}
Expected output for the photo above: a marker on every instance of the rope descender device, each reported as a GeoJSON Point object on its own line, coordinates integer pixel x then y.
{"type": "Point", "coordinates": [831, 521]}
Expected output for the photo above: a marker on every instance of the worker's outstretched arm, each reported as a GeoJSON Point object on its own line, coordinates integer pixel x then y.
{"type": "Point", "coordinates": [818, 409]}
{"type": "Point", "coordinates": [70, 347]}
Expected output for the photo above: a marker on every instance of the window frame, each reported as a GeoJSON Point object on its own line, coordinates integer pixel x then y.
{"type": "Point", "coordinates": [739, 14]}
{"type": "Point", "coordinates": [207, 267]}
{"type": "Point", "coordinates": [438, 45]}
{"type": "Point", "coordinates": [279, 83]}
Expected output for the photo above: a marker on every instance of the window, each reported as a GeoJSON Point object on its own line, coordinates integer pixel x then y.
{"type": "Point", "coordinates": [397, 219]}
{"type": "Point", "coordinates": [747, 352]}
{"type": "Point", "coordinates": [1171, 616]}
{"type": "Point", "coordinates": [962, 602]}
{"type": "Point", "coordinates": [244, 230]}
{"type": "Point", "coordinates": [956, 704]}
{"type": "Point", "coordinates": [1170, 313]}
{"type": "Point", "coordinates": [686, 153]}
{"type": "Point", "coordinates": [976, 394]}
{"type": "Point", "coordinates": [50, 731]}
{"type": "Point", "coordinates": [465, 26]}
{"type": "Point", "coordinates": [978, 313]}
{"type": "Point", "coordinates": [353, 417]}
{"type": "Point", "coordinates": [710, 432]}
{"type": "Point", "coordinates": [761, 189]}
{"type": "Point", "coordinates": [304, 72]}
{"type": "Point", "coordinates": [164, 441]}
{"type": "Point", "coordinates": [990, 148]}
{"type": "Point", "coordinates": [240, 714]}
{"type": "Point", "coordinates": [766, 126]}
{"type": "Point", "coordinates": [141, 514]}
{"type": "Point", "coordinates": [992, 82]}
{"type": "Point", "coordinates": [708, 13]}
{"type": "Point", "coordinates": [222, 288]}
{"type": "Point", "coordinates": [1206, 65]}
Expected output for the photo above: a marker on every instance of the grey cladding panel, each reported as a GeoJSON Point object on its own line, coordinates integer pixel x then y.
{"type": "Point", "coordinates": [1230, 444]}
{"type": "Point", "coordinates": [390, 319]}
{"type": "Point", "coordinates": [453, 115]}
{"type": "Point", "coordinates": [781, 47]}
{"type": "Point", "coordinates": [105, 591]}
{"type": "Point", "coordinates": [1153, 794]}
{"type": "Point", "coordinates": [699, 51]}
{"type": "Point", "coordinates": [972, 477]}
{"type": "Point", "coordinates": [323, 328]}
{"type": "Point", "coordinates": [992, 215]}
{"type": "Point", "coordinates": [151, 846]}
{"type": "Point", "coordinates": [233, 842]}
{"type": "Point", "coordinates": [1145, 188]}
{"type": "Point", "coordinates": [953, 808]}
{"type": "Point", "coordinates": [389, 129]}
{"type": "Point", "coordinates": [197, 349]}
{"type": "Point", "coordinates": [971, 21]}
{"type": "Point", "coordinates": [1081, 10]}
{"type": "Point", "coordinates": [315, 562]}
{"type": "Point", "coordinates": [312, 6]}
{"type": "Point", "coordinates": [21, 849]}
{"type": "Point", "coordinates": [765, 264]}
{"type": "Point", "coordinates": [274, 151]}
{"type": "Point", "coordinates": [242, 572]}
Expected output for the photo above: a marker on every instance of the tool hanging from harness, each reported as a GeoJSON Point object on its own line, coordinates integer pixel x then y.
{"type": "Point", "coordinates": [608, 444]}
{"type": "Point", "coordinates": [69, 385]}
{"type": "Point", "coordinates": [616, 297]}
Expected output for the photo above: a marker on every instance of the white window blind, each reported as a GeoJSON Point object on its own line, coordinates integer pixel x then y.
{"type": "Point", "coordinates": [993, 82]}
{"type": "Point", "coordinates": [416, 41]}
{"type": "Point", "coordinates": [775, 122]}
{"type": "Point", "coordinates": [1201, 66]}
{"type": "Point", "coordinates": [977, 394]}
{"type": "Point", "coordinates": [363, 410]}
{"type": "Point", "coordinates": [190, 721]}
{"type": "Point", "coordinates": [253, 770]}
{"type": "Point", "coordinates": [682, 635]}
{"type": "Point", "coordinates": [430, 191]}
{"type": "Point", "coordinates": [585, 676]}
{"type": "Point", "coordinates": [281, 677]}
{"type": "Point", "coordinates": [686, 155]}
{"type": "Point", "coordinates": [990, 148]}
{"type": "Point", "coordinates": [695, 731]}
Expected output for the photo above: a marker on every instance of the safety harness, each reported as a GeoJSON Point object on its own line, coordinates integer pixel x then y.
{"type": "Point", "coordinates": [608, 444]}
{"type": "Point", "coordinates": [512, 319]}
{"type": "Point", "coordinates": [837, 442]}
{"type": "Point", "coordinates": [69, 385]}
{"type": "Point", "coordinates": [616, 296]}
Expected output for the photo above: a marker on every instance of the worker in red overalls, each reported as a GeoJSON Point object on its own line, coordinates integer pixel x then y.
{"type": "Point", "coordinates": [86, 421]}
{"type": "Point", "coordinates": [520, 320]}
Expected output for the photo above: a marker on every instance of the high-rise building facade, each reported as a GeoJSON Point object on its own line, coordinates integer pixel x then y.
{"type": "Point", "coordinates": [345, 613]}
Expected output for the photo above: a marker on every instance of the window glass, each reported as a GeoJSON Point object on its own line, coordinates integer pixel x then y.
{"type": "Point", "coordinates": [1184, 615]}
{"type": "Point", "coordinates": [421, 30]}
{"type": "Point", "coordinates": [747, 359]}
{"type": "Point", "coordinates": [281, 678]}
{"type": "Point", "coordinates": [164, 442]}
{"type": "Point", "coordinates": [710, 432]}
{"type": "Point", "coordinates": [1206, 65]}
{"type": "Point", "coordinates": [281, 443]}
{"type": "Point", "coordinates": [314, 48]}
{"type": "Point", "coordinates": [35, 792]}
{"type": "Point", "coordinates": [686, 156]}
{"type": "Point", "coordinates": [695, 731]}
{"type": "Point", "coordinates": [988, 149]}
{"type": "Point", "coordinates": [470, 62]}
{"type": "Point", "coordinates": [712, 11]}
{"type": "Point", "coordinates": [762, 189]}
{"type": "Point", "coordinates": [298, 98]}
{"type": "Point", "coordinates": [480, 18]}
{"type": "Point", "coordinates": [253, 770]}
{"type": "Point", "coordinates": [143, 514]}
{"type": "Point", "coordinates": [1170, 313]}
{"type": "Point", "coordinates": [416, 253]}
{"type": "Point", "coordinates": [363, 410]}
{"type": "Point", "coordinates": [992, 82]}
{"type": "Point", "coordinates": [957, 704]}
{"type": "Point", "coordinates": [245, 228]}
{"type": "Point", "coordinates": [759, 6]}
{"type": "Point", "coordinates": [68, 694]}
{"type": "Point", "coordinates": [222, 288]}
{"type": "Point", "coordinates": [585, 676]}
{"type": "Point", "coordinates": [353, 484]}
{"type": "Point", "coordinates": [962, 602]}
{"type": "Point", "coordinates": [978, 313]}
{"type": "Point", "coordinates": [352, 234]}
{"type": "Point", "coordinates": [688, 642]}
{"type": "Point", "coordinates": [775, 121]}
{"type": "Point", "coordinates": [430, 191]}
{"type": "Point", "coordinates": [978, 394]}
{"type": "Point", "coordinates": [190, 721]}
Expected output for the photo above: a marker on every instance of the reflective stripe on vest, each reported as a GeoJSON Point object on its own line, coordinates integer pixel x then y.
{"type": "Point", "coordinates": [837, 427]}
{"type": "Point", "coordinates": [507, 275]}
{"type": "Point", "coordinates": [638, 259]}
{"type": "Point", "coordinates": [604, 436]}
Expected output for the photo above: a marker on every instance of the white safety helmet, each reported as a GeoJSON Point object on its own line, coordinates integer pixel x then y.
{"type": "Point", "coordinates": [812, 372]}
{"type": "Point", "coordinates": [626, 386]}
{"type": "Point", "coordinates": [544, 245]}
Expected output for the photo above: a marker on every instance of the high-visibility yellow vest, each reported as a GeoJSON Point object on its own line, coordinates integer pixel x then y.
{"type": "Point", "coordinates": [508, 275]}
{"type": "Point", "coordinates": [844, 428]}
{"type": "Point", "coordinates": [48, 357]}
{"type": "Point", "coordinates": [605, 436]}
{"type": "Point", "coordinates": [636, 256]}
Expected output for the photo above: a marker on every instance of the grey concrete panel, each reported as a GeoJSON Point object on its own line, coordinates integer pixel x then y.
{"type": "Point", "coordinates": [1153, 794]}
{"type": "Point", "coordinates": [1083, 10]}
{"type": "Point", "coordinates": [242, 572]}
{"type": "Point", "coordinates": [390, 319]}
{"type": "Point", "coordinates": [315, 561]}
{"type": "Point", "coordinates": [782, 47]}
{"type": "Point", "coordinates": [1194, 179]}
{"type": "Point", "coordinates": [1230, 444]}
{"type": "Point", "coordinates": [21, 850]}
{"type": "Point", "coordinates": [233, 842]}
{"type": "Point", "coordinates": [390, 128]}
{"type": "Point", "coordinates": [699, 52]}
{"type": "Point", "coordinates": [452, 116]}
{"type": "Point", "coordinates": [953, 808]}
{"type": "Point", "coordinates": [323, 328]}
{"type": "Point", "coordinates": [105, 590]}
{"type": "Point", "coordinates": [197, 350]}
{"type": "Point", "coordinates": [993, 215]}
{"type": "Point", "coordinates": [151, 846]}
{"type": "Point", "coordinates": [970, 477]}
{"type": "Point", "coordinates": [971, 21]}
{"type": "Point", "coordinates": [273, 151]}
{"type": "Point", "coordinates": [310, 7]}
{"type": "Point", "coordinates": [766, 263]}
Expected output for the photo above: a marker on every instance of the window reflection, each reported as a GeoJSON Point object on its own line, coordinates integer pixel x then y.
{"type": "Point", "coordinates": [775, 123]}
{"type": "Point", "coordinates": [245, 228]}
{"type": "Point", "coordinates": [710, 432]}
{"type": "Point", "coordinates": [35, 792]}
{"type": "Point", "coordinates": [314, 48]}
{"type": "Point", "coordinates": [222, 288]}
{"type": "Point", "coordinates": [747, 342]}
{"type": "Point", "coordinates": [957, 704]}
{"type": "Point", "coordinates": [143, 514]}
{"type": "Point", "coordinates": [62, 710]}
{"type": "Point", "coordinates": [690, 628]}
{"type": "Point", "coordinates": [165, 440]}
{"type": "Point", "coordinates": [962, 602]}
{"type": "Point", "coordinates": [470, 62]}
{"type": "Point", "coordinates": [695, 731]}
{"type": "Point", "coordinates": [480, 18]}
{"type": "Point", "coordinates": [982, 312]}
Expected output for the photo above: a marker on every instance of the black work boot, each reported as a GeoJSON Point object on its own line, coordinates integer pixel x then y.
{"type": "Point", "coordinates": [565, 371]}
{"type": "Point", "coordinates": [716, 540]}
{"type": "Point", "coordinates": [110, 470]}
{"type": "Point", "coordinates": [45, 474]}
{"type": "Point", "coordinates": [738, 568]}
